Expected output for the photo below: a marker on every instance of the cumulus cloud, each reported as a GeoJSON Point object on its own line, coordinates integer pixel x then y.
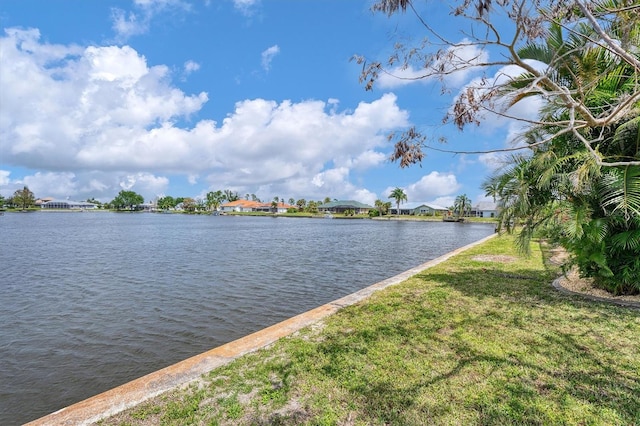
{"type": "Point", "coordinates": [108, 117]}
{"type": "Point", "coordinates": [335, 183]}
{"type": "Point", "coordinates": [54, 184]}
{"type": "Point", "coordinates": [434, 185]}
{"type": "Point", "coordinates": [145, 182]}
{"type": "Point", "coordinates": [447, 201]}
{"type": "Point", "coordinates": [268, 55]}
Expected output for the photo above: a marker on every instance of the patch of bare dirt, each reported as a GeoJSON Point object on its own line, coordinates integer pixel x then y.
{"type": "Point", "coordinates": [573, 282]}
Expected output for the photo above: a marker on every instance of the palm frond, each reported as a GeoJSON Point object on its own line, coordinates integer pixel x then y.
{"type": "Point", "coordinates": [620, 191]}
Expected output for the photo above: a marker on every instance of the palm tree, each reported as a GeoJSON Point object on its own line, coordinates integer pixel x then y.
{"type": "Point", "coordinates": [312, 206]}
{"type": "Point", "coordinates": [560, 188]}
{"type": "Point", "coordinates": [214, 199]}
{"type": "Point", "coordinates": [399, 195]}
{"type": "Point", "coordinates": [229, 195]}
{"type": "Point", "coordinates": [380, 206]}
{"type": "Point", "coordinates": [462, 205]}
{"type": "Point", "coordinates": [491, 189]}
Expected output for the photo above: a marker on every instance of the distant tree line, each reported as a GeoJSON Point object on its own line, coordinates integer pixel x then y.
{"type": "Point", "coordinates": [132, 201]}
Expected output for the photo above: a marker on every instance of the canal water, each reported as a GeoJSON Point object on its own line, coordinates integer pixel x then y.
{"type": "Point", "coordinates": [91, 300]}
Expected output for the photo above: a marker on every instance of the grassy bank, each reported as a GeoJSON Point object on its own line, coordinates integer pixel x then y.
{"type": "Point", "coordinates": [480, 339]}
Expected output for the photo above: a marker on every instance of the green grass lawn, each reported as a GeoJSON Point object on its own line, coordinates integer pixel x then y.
{"type": "Point", "coordinates": [468, 342]}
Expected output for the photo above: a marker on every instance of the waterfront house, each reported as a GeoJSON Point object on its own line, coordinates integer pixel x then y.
{"type": "Point", "coordinates": [245, 206]}
{"type": "Point", "coordinates": [68, 205]}
{"type": "Point", "coordinates": [419, 209]}
{"type": "Point", "coordinates": [40, 201]}
{"type": "Point", "coordinates": [485, 209]}
{"type": "Point", "coordinates": [340, 206]}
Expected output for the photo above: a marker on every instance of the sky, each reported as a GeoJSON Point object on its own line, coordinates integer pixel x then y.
{"type": "Point", "coordinates": [183, 97]}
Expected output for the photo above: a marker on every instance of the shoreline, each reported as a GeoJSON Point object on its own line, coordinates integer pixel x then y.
{"type": "Point", "coordinates": [184, 372]}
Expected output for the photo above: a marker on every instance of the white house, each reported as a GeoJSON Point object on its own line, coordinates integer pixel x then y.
{"type": "Point", "coordinates": [419, 209]}
{"type": "Point", "coordinates": [68, 204]}
{"type": "Point", "coordinates": [485, 209]}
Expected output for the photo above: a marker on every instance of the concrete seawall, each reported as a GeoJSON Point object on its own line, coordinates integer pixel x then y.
{"type": "Point", "coordinates": [139, 390]}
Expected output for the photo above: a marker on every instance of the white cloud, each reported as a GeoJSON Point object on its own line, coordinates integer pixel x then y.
{"type": "Point", "coordinates": [526, 109]}
{"type": "Point", "coordinates": [398, 77]}
{"type": "Point", "coordinates": [191, 66]}
{"type": "Point", "coordinates": [434, 184]}
{"type": "Point", "coordinates": [454, 67]}
{"type": "Point", "coordinates": [335, 183]}
{"type": "Point", "coordinates": [128, 24]}
{"type": "Point", "coordinates": [429, 187]}
{"type": "Point", "coordinates": [104, 109]}
{"type": "Point", "coordinates": [246, 7]}
{"type": "Point", "coordinates": [4, 177]}
{"type": "Point", "coordinates": [364, 196]}
{"type": "Point", "coordinates": [54, 184]}
{"type": "Point", "coordinates": [144, 183]}
{"type": "Point", "coordinates": [492, 160]}
{"type": "Point", "coordinates": [268, 55]}
{"type": "Point", "coordinates": [447, 201]}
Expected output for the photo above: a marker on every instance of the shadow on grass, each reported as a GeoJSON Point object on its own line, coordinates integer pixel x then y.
{"type": "Point", "coordinates": [493, 345]}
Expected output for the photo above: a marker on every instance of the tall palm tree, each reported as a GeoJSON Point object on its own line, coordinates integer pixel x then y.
{"type": "Point", "coordinates": [399, 195]}
{"type": "Point", "coordinates": [462, 205]}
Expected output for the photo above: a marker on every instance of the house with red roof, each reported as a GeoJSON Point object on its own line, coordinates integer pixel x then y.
{"type": "Point", "coordinates": [244, 206]}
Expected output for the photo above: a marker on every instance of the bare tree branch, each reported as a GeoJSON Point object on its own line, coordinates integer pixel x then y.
{"type": "Point", "coordinates": [531, 20]}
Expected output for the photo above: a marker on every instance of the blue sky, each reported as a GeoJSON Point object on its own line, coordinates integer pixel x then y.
{"type": "Point", "coordinates": [179, 97]}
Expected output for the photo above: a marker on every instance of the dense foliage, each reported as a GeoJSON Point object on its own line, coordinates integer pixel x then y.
{"type": "Point", "coordinates": [577, 176]}
{"type": "Point", "coordinates": [23, 198]}
{"type": "Point", "coordinates": [127, 200]}
{"type": "Point", "coordinates": [590, 207]}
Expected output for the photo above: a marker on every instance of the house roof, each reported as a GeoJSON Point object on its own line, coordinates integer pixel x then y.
{"type": "Point", "coordinates": [413, 206]}
{"type": "Point", "coordinates": [486, 205]}
{"type": "Point", "coordinates": [243, 203]}
{"type": "Point", "coordinates": [69, 202]}
{"type": "Point", "coordinates": [250, 204]}
{"type": "Point", "coordinates": [346, 204]}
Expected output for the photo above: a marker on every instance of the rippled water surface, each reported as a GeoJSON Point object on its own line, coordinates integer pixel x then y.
{"type": "Point", "coordinates": [91, 300]}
